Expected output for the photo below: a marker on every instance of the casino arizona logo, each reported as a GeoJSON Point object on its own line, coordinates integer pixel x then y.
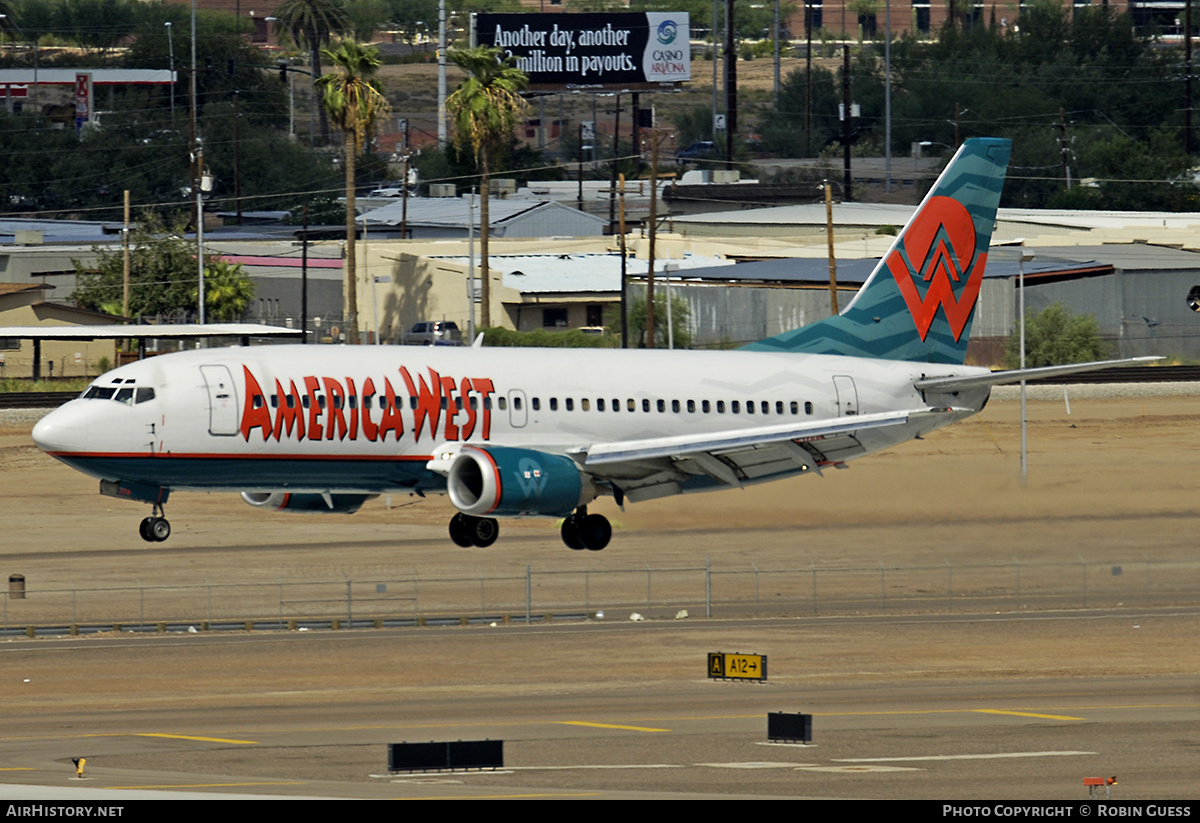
{"type": "Point", "coordinates": [331, 409]}
{"type": "Point", "coordinates": [938, 249]}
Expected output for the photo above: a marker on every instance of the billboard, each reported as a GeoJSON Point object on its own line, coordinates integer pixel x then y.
{"type": "Point", "coordinates": [606, 52]}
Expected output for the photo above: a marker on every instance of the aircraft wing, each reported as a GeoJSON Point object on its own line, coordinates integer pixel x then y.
{"type": "Point", "coordinates": [656, 467]}
{"type": "Point", "coordinates": [999, 378]}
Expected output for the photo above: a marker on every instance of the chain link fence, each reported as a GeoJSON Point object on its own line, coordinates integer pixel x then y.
{"type": "Point", "coordinates": [655, 593]}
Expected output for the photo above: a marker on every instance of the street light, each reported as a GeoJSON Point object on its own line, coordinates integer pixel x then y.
{"type": "Point", "coordinates": [1025, 257]}
{"type": "Point", "coordinates": [171, 50]}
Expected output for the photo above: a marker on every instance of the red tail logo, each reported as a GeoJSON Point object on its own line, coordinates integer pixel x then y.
{"type": "Point", "coordinates": [938, 248]}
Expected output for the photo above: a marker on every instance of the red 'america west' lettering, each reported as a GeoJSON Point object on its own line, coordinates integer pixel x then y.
{"type": "Point", "coordinates": [327, 408]}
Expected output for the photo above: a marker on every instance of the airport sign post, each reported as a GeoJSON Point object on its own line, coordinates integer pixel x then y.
{"type": "Point", "coordinates": [723, 666]}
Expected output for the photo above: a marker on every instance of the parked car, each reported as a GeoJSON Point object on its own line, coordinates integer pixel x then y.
{"type": "Point", "coordinates": [434, 333]}
{"type": "Point", "coordinates": [697, 151]}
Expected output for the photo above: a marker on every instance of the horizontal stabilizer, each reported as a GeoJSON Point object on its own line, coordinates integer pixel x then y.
{"type": "Point", "coordinates": [1000, 378]}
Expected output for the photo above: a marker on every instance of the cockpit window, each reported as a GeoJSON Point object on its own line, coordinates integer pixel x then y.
{"type": "Point", "coordinates": [127, 394]}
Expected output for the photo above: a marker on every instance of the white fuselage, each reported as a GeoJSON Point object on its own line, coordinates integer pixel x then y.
{"type": "Point", "coordinates": [367, 419]}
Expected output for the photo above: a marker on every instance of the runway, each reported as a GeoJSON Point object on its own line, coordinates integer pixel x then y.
{"type": "Point", "coordinates": [621, 710]}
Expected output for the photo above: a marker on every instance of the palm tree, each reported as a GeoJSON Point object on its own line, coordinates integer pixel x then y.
{"type": "Point", "coordinates": [486, 107]}
{"type": "Point", "coordinates": [227, 291]}
{"type": "Point", "coordinates": [355, 103]}
{"type": "Point", "coordinates": [312, 24]}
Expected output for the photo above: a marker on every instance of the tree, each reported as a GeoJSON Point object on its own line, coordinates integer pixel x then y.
{"type": "Point", "coordinates": [681, 317]}
{"type": "Point", "coordinates": [1055, 335]}
{"type": "Point", "coordinates": [312, 24]}
{"type": "Point", "coordinates": [162, 274]}
{"type": "Point", "coordinates": [227, 291]}
{"type": "Point", "coordinates": [485, 109]}
{"type": "Point", "coordinates": [355, 103]}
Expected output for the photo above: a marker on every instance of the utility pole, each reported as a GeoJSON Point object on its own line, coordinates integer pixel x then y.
{"type": "Point", "coordinates": [731, 104]}
{"type": "Point", "coordinates": [846, 123]}
{"type": "Point", "coordinates": [653, 235]}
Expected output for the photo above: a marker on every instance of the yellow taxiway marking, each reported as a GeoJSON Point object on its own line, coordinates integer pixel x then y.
{"type": "Point", "coordinates": [17, 769]}
{"type": "Point", "coordinates": [1029, 714]}
{"type": "Point", "coordinates": [194, 737]}
{"type": "Point", "coordinates": [500, 796]}
{"type": "Point", "coordinates": [204, 785]}
{"type": "Point", "coordinates": [609, 726]}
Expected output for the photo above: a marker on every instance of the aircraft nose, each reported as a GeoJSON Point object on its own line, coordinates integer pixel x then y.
{"type": "Point", "coordinates": [62, 430]}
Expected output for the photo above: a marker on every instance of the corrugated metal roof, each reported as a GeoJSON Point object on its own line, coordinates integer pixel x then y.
{"type": "Point", "coordinates": [454, 212]}
{"type": "Point", "coordinates": [560, 273]}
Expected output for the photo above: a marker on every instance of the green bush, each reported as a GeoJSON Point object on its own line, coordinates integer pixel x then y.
{"type": "Point", "coordinates": [1055, 336]}
{"type": "Point", "coordinates": [547, 339]}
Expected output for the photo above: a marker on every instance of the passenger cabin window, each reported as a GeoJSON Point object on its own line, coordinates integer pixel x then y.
{"type": "Point", "coordinates": [808, 407]}
{"type": "Point", "coordinates": [570, 402]}
{"type": "Point", "coordinates": [720, 407]}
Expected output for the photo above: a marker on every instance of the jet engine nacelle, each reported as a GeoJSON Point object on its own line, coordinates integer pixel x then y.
{"type": "Point", "coordinates": [516, 482]}
{"type": "Point", "coordinates": [307, 503]}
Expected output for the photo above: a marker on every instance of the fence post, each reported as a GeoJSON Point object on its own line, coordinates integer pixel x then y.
{"type": "Point", "coordinates": [708, 587]}
{"type": "Point", "coordinates": [528, 593]}
{"type": "Point", "coordinates": [1084, 562]}
{"type": "Point", "coordinates": [349, 604]}
{"type": "Point", "coordinates": [757, 598]}
{"type": "Point", "coordinates": [814, 576]}
{"type": "Point", "coordinates": [141, 606]}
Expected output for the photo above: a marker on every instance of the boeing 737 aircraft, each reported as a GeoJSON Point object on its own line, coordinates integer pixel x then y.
{"type": "Point", "coordinates": [543, 432]}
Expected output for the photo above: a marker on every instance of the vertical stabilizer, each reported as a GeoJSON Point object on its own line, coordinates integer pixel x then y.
{"type": "Point", "coordinates": [919, 302]}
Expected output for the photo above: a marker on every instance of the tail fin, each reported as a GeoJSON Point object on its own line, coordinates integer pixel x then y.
{"type": "Point", "coordinates": [936, 262]}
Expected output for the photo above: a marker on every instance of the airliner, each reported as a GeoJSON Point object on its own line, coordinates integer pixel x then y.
{"type": "Point", "coordinates": [544, 432]}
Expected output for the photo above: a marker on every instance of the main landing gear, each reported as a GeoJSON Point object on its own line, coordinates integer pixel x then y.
{"type": "Point", "coordinates": [586, 531]}
{"type": "Point", "coordinates": [156, 528]}
{"type": "Point", "coordinates": [467, 531]}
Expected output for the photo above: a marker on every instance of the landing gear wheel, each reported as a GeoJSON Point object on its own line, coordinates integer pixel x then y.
{"type": "Point", "coordinates": [570, 534]}
{"type": "Point", "coordinates": [460, 531]}
{"type": "Point", "coordinates": [160, 528]}
{"type": "Point", "coordinates": [484, 531]}
{"type": "Point", "coordinates": [595, 532]}
{"type": "Point", "coordinates": [154, 529]}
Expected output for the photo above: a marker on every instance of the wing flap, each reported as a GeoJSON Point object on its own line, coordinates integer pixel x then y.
{"type": "Point", "coordinates": [739, 440]}
{"type": "Point", "coordinates": [657, 466]}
